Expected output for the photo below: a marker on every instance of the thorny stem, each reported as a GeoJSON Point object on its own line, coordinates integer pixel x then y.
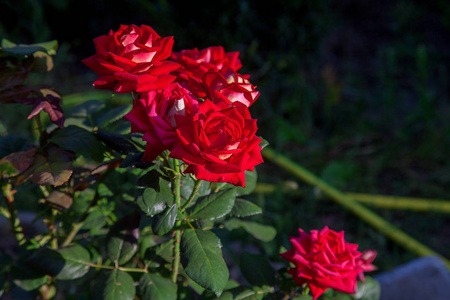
{"type": "Point", "coordinates": [77, 226]}
{"type": "Point", "coordinates": [136, 270]}
{"type": "Point", "coordinates": [38, 128]}
{"type": "Point", "coordinates": [14, 220]}
{"type": "Point", "coordinates": [51, 221]}
{"type": "Point", "coordinates": [177, 194]}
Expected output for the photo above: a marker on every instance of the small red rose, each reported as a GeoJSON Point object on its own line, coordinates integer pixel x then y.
{"type": "Point", "coordinates": [154, 114]}
{"type": "Point", "coordinates": [230, 87]}
{"type": "Point", "coordinates": [196, 63]}
{"type": "Point", "coordinates": [132, 59]}
{"type": "Point", "coordinates": [218, 142]}
{"type": "Point", "coordinates": [324, 260]}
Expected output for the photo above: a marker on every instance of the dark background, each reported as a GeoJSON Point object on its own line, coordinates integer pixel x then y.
{"type": "Point", "coordinates": [355, 91]}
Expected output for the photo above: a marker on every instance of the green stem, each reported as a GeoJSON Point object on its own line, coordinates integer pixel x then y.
{"type": "Point", "coordinates": [73, 232]}
{"type": "Point", "coordinates": [136, 270]}
{"type": "Point", "coordinates": [383, 201]}
{"type": "Point", "coordinates": [406, 203]}
{"type": "Point", "coordinates": [12, 212]}
{"type": "Point", "coordinates": [77, 226]}
{"type": "Point", "coordinates": [286, 188]}
{"type": "Point", "coordinates": [51, 221]}
{"type": "Point", "coordinates": [177, 195]}
{"type": "Point", "coordinates": [305, 289]}
{"type": "Point", "coordinates": [347, 202]}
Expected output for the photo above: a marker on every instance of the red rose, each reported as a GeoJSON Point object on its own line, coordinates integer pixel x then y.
{"type": "Point", "coordinates": [154, 114]}
{"type": "Point", "coordinates": [132, 59]}
{"type": "Point", "coordinates": [218, 142]}
{"type": "Point", "coordinates": [324, 260]}
{"type": "Point", "coordinates": [195, 63]}
{"type": "Point", "coordinates": [226, 86]}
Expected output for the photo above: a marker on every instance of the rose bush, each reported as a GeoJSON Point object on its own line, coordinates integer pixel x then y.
{"type": "Point", "coordinates": [118, 226]}
{"type": "Point", "coordinates": [132, 59]}
{"type": "Point", "coordinates": [324, 260]}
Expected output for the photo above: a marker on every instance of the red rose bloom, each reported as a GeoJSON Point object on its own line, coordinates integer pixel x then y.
{"type": "Point", "coordinates": [224, 86]}
{"type": "Point", "coordinates": [324, 260]}
{"type": "Point", "coordinates": [132, 59]}
{"type": "Point", "coordinates": [154, 114]}
{"type": "Point", "coordinates": [195, 63]}
{"type": "Point", "coordinates": [218, 142]}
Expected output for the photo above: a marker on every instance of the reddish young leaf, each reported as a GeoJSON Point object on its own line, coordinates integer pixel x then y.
{"type": "Point", "coordinates": [10, 78]}
{"type": "Point", "coordinates": [15, 94]}
{"type": "Point", "coordinates": [51, 105]}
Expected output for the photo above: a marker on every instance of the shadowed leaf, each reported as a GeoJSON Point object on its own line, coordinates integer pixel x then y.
{"type": "Point", "coordinates": [122, 239]}
{"type": "Point", "coordinates": [51, 168]}
{"type": "Point", "coordinates": [201, 257]}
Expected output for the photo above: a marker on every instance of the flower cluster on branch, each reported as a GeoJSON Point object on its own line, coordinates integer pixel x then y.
{"type": "Point", "coordinates": [192, 103]}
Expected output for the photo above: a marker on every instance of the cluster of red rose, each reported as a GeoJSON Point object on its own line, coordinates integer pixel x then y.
{"type": "Point", "coordinates": [324, 260]}
{"type": "Point", "coordinates": [192, 103]}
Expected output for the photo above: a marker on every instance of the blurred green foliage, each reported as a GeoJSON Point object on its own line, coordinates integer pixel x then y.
{"type": "Point", "coordinates": [356, 91]}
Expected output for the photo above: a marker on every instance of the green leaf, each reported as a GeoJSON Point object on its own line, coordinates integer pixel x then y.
{"type": "Point", "coordinates": [251, 178]}
{"type": "Point", "coordinates": [110, 115]}
{"type": "Point", "coordinates": [122, 238]}
{"type": "Point", "coordinates": [21, 50]}
{"type": "Point", "coordinates": [152, 202]}
{"type": "Point", "coordinates": [117, 142]}
{"type": "Point", "coordinates": [67, 263]}
{"type": "Point", "coordinates": [49, 47]}
{"type": "Point", "coordinates": [303, 297]}
{"type": "Point", "coordinates": [214, 206]}
{"type": "Point", "coordinates": [368, 290]}
{"type": "Point", "coordinates": [264, 143]}
{"type": "Point", "coordinates": [76, 260]}
{"type": "Point", "coordinates": [7, 168]}
{"type": "Point", "coordinates": [86, 108]}
{"type": "Point", "coordinates": [164, 222]}
{"type": "Point", "coordinates": [114, 285]}
{"type": "Point", "coordinates": [165, 250]}
{"type": "Point", "coordinates": [12, 144]}
{"type": "Point", "coordinates": [187, 186]}
{"type": "Point", "coordinates": [95, 220]}
{"type": "Point", "coordinates": [201, 257]}
{"type": "Point", "coordinates": [153, 179]}
{"type": "Point", "coordinates": [257, 270]}
{"type": "Point", "coordinates": [149, 203]}
{"type": "Point", "coordinates": [245, 208]}
{"type": "Point", "coordinates": [40, 62]}
{"type": "Point", "coordinates": [154, 286]}
{"type": "Point", "coordinates": [80, 141]}
{"type": "Point", "coordinates": [26, 278]}
{"type": "Point", "coordinates": [262, 232]}
{"type": "Point", "coordinates": [245, 293]}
